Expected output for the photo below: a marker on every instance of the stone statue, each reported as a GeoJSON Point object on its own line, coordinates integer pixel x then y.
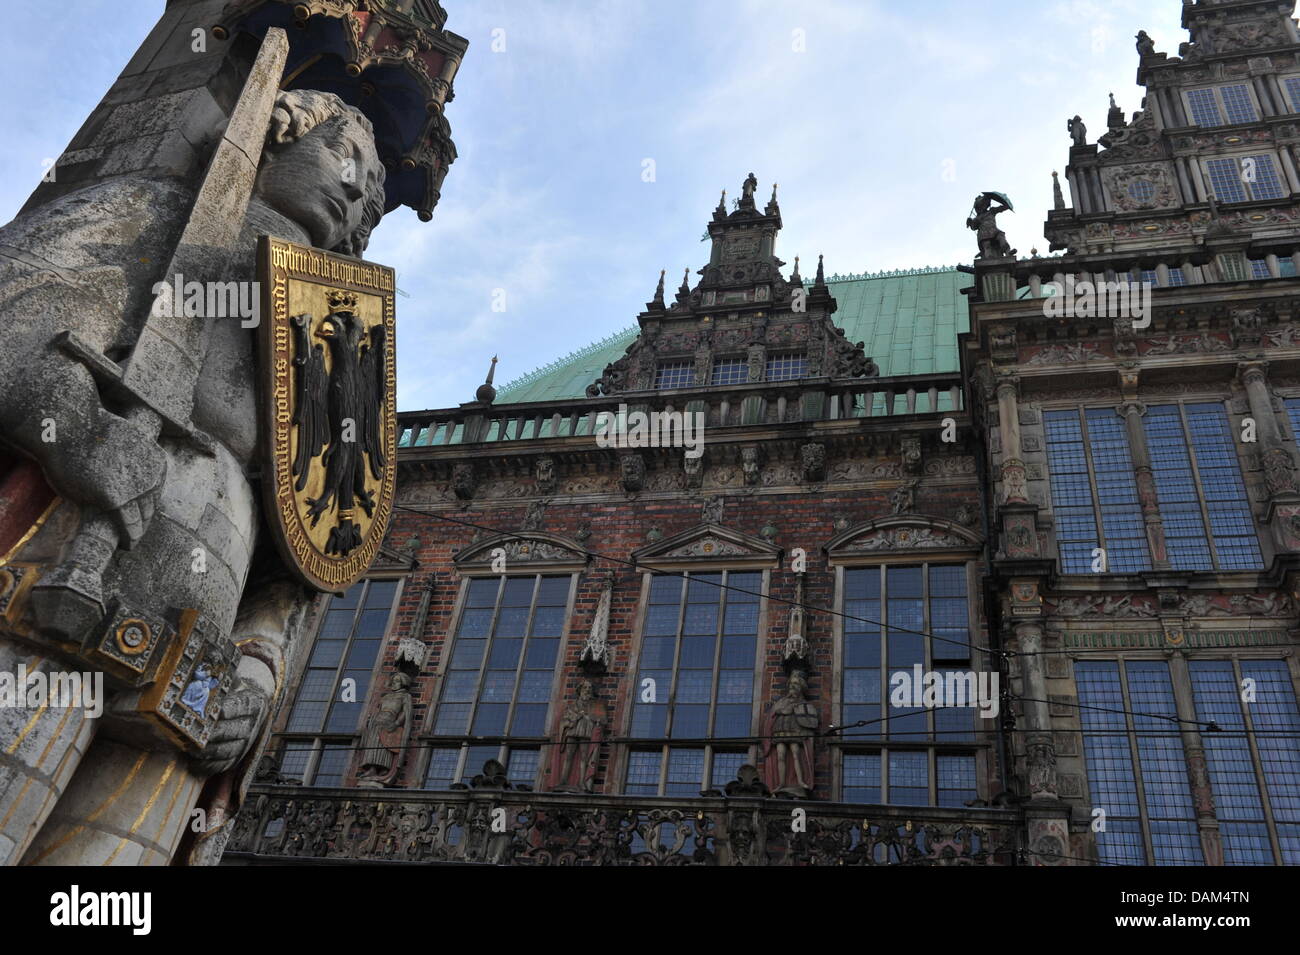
{"type": "Point", "coordinates": [1145, 45]}
{"type": "Point", "coordinates": [747, 189]}
{"type": "Point", "coordinates": [711, 510]}
{"type": "Point", "coordinates": [1078, 131]}
{"type": "Point", "coordinates": [573, 766]}
{"type": "Point", "coordinates": [788, 733]}
{"type": "Point", "coordinates": [385, 736]}
{"type": "Point", "coordinates": [154, 469]}
{"type": "Point", "coordinates": [983, 221]}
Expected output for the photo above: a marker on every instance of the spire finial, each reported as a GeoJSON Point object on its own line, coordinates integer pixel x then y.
{"type": "Point", "coordinates": [486, 393]}
{"type": "Point", "coordinates": [658, 301]}
{"type": "Point", "coordinates": [1058, 200]}
{"type": "Point", "coordinates": [795, 279]}
{"type": "Point", "coordinates": [821, 275]}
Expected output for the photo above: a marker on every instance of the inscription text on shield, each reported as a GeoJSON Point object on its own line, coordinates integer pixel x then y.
{"type": "Point", "coordinates": [329, 392]}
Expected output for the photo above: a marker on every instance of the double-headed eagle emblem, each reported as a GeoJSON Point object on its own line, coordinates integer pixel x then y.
{"type": "Point", "coordinates": [339, 414]}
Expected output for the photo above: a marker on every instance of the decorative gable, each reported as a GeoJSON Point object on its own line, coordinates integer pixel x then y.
{"type": "Point", "coordinates": [743, 313]}
{"type": "Point", "coordinates": [904, 534]}
{"type": "Point", "coordinates": [537, 550]}
{"type": "Point", "coordinates": [710, 543]}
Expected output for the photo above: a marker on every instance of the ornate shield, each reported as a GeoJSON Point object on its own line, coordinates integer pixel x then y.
{"type": "Point", "coordinates": [328, 406]}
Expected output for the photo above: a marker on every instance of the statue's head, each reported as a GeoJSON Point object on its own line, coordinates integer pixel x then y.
{"type": "Point", "coordinates": [320, 169]}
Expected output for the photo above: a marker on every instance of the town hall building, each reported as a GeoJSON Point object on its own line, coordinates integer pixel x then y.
{"type": "Point", "coordinates": [996, 564]}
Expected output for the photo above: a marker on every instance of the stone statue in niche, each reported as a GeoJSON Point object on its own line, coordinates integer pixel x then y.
{"type": "Point", "coordinates": [384, 740]}
{"type": "Point", "coordinates": [711, 512]}
{"type": "Point", "coordinates": [544, 473]}
{"type": "Point", "coordinates": [788, 733]}
{"type": "Point", "coordinates": [573, 764]}
{"type": "Point", "coordinates": [632, 468]}
{"type": "Point", "coordinates": [749, 465]}
{"type": "Point", "coordinates": [463, 480]}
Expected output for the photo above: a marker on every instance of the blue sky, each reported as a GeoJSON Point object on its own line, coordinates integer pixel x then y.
{"type": "Point", "coordinates": [880, 131]}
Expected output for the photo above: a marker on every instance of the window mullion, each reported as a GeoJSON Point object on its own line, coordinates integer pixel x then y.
{"type": "Point", "coordinates": [1135, 756]}
{"type": "Point", "coordinates": [1092, 487]}
{"type": "Point", "coordinates": [1200, 488]}
{"type": "Point", "coordinates": [1257, 764]}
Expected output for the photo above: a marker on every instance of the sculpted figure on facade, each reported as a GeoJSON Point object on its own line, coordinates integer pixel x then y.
{"type": "Point", "coordinates": [573, 766]}
{"type": "Point", "coordinates": [384, 739]}
{"type": "Point", "coordinates": [983, 221]}
{"type": "Point", "coordinates": [788, 733]}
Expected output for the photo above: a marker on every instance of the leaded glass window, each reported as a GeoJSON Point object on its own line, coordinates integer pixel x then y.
{"type": "Point", "coordinates": [887, 612]}
{"type": "Point", "coordinates": [1199, 485]}
{"type": "Point", "coordinates": [1254, 762]}
{"type": "Point", "coordinates": [500, 676]}
{"type": "Point", "coordinates": [729, 371]}
{"type": "Point", "coordinates": [1241, 178]}
{"type": "Point", "coordinates": [1094, 492]}
{"type": "Point", "coordinates": [332, 693]}
{"type": "Point", "coordinates": [1134, 759]}
{"type": "Point", "coordinates": [787, 367]}
{"type": "Point", "coordinates": [1292, 84]}
{"type": "Point", "coordinates": [695, 681]}
{"type": "Point", "coordinates": [1209, 107]}
{"type": "Point", "coordinates": [675, 374]}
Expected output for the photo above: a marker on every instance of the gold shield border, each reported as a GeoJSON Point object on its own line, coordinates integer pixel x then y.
{"type": "Point", "coordinates": [279, 261]}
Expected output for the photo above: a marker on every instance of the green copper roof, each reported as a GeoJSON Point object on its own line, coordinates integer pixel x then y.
{"type": "Point", "coordinates": [909, 321]}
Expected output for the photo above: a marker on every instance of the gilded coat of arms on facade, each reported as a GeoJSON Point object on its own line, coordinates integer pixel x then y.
{"type": "Point", "coordinates": [329, 432]}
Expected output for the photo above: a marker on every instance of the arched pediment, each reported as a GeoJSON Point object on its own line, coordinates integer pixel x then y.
{"type": "Point", "coordinates": [904, 534]}
{"type": "Point", "coordinates": [706, 543]}
{"type": "Point", "coordinates": [534, 549]}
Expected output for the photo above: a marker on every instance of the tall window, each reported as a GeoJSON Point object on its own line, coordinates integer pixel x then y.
{"type": "Point", "coordinates": [1254, 764]}
{"type": "Point", "coordinates": [730, 371]}
{"type": "Point", "coordinates": [1241, 178]}
{"type": "Point", "coordinates": [787, 367]}
{"type": "Point", "coordinates": [320, 733]}
{"type": "Point", "coordinates": [916, 756]}
{"type": "Point", "coordinates": [1199, 486]}
{"type": "Point", "coordinates": [1210, 106]}
{"type": "Point", "coordinates": [1094, 493]}
{"type": "Point", "coordinates": [1137, 768]}
{"type": "Point", "coordinates": [1293, 415]}
{"type": "Point", "coordinates": [675, 374]}
{"type": "Point", "coordinates": [500, 678]}
{"type": "Point", "coordinates": [1137, 774]}
{"type": "Point", "coordinates": [1292, 84]}
{"type": "Point", "coordinates": [695, 682]}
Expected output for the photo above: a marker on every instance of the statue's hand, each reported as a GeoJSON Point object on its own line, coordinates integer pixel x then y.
{"type": "Point", "coordinates": [118, 470]}
{"type": "Point", "coordinates": [241, 718]}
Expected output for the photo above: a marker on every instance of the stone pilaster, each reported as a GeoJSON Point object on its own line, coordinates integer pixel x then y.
{"type": "Point", "coordinates": [1276, 461]}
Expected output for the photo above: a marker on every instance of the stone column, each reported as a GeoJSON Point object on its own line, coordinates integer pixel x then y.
{"type": "Point", "coordinates": [1013, 468]}
{"type": "Point", "coordinates": [1132, 411]}
{"type": "Point", "coordinates": [1197, 774]}
{"type": "Point", "coordinates": [1047, 818]}
{"type": "Point", "coordinates": [1040, 751]}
